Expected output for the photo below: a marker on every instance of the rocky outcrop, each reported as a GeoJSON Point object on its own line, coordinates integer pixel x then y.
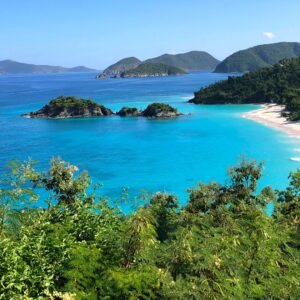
{"type": "Point", "coordinates": [154, 111]}
{"type": "Point", "coordinates": [70, 107]}
{"type": "Point", "coordinates": [160, 110]}
{"type": "Point", "coordinates": [102, 76]}
{"type": "Point", "coordinates": [129, 112]}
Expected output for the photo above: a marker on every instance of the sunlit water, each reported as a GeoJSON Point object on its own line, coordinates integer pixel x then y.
{"type": "Point", "coordinates": [136, 153]}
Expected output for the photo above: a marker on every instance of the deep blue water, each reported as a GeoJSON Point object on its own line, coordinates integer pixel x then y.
{"type": "Point", "coordinates": [139, 154]}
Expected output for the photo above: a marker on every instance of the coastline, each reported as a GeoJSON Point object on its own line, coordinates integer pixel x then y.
{"type": "Point", "coordinates": [270, 115]}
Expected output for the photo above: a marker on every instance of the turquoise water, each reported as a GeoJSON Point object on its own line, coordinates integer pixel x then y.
{"type": "Point", "coordinates": [139, 154]}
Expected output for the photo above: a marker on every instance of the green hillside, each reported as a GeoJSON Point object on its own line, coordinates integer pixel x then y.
{"type": "Point", "coordinates": [122, 66]}
{"type": "Point", "coordinates": [279, 83]}
{"type": "Point", "coordinates": [258, 57]}
{"type": "Point", "coordinates": [190, 61]}
{"type": "Point", "coordinates": [152, 70]}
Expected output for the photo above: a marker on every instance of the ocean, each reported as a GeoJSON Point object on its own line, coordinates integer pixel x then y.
{"type": "Point", "coordinates": [137, 154]}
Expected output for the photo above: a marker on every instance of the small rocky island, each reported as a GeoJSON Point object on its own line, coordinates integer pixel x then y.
{"type": "Point", "coordinates": [154, 110]}
{"type": "Point", "coordinates": [160, 110]}
{"type": "Point", "coordinates": [72, 107]}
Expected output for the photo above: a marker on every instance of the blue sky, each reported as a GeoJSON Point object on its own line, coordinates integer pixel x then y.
{"type": "Point", "coordinates": [96, 33]}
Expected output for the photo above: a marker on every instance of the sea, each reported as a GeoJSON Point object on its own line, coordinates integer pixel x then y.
{"type": "Point", "coordinates": [135, 156]}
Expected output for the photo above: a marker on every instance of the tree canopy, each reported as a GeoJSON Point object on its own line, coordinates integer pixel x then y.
{"type": "Point", "coordinates": [78, 245]}
{"type": "Point", "coordinates": [277, 84]}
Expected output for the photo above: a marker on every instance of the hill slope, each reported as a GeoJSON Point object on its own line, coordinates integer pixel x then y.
{"type": "Point", "coordinates": [122, 65]}
{"type": "Point", "coordinates": [190, 61]}
{"type": "Point", "coordinates": [279, 83]}
{"type": "Point", "coordinates": [258, 57]}
{"type": "Point", "coordinates": [152, 70]}
{"type": "Point", "coordinates": [14, 67]}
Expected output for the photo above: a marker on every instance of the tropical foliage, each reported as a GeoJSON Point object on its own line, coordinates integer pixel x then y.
{"type": "Point", "coordinates": [277, 84]}
{"type": "Point", "coordinates": [220, 245]}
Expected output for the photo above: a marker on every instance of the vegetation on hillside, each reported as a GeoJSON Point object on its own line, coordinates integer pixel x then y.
{"type": "Point", "coordinates": [71, 101]}
{"type": "Point", "coordinates": [277, 84]}
{"type": "Point", "coordinates": [190, 61]}
{"type": "Point", "coordinates": [122, 66]}
{"type": "Point", "coordinates": [258, 57]}
{"type": "Point", "coordinates": [220, 245]}
{"type": "Point", "coordinates": [152, 69]}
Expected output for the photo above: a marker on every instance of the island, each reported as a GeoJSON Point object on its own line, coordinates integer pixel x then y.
{"type": "Point", "coordinates": [160, 110]}
{"type": "Point", "coordinates": [153, 111]}
{"type": "Point", "coordinates": [189, 61]}
{"type": "Point", "coordinates": [70, 107]}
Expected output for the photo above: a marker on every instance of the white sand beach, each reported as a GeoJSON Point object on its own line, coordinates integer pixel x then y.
{"type": "Point", "coordinates": [270, 115]}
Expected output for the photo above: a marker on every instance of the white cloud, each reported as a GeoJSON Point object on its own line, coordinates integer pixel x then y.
{"type": "Point", "coordinates": [269, 35]}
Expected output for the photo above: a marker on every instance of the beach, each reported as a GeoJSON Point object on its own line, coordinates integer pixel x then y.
{"type": "Point", "coordinates": [270, 115]}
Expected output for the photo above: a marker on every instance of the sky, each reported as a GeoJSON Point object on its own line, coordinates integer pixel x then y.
{"type": "Point", "coordinates": [97, 33]}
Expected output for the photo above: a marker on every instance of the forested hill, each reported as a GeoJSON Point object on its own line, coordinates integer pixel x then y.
{"type": "Point", "coordinates": [153, 70]}
{"type": "Point", "coordinates": [122, 65]}
{"type": "Point", "coordinates": [190, 61]}
{"type": "Point", "coordinates": [279, 84]}
{"type": "Point", "coordinates": [258, 57]}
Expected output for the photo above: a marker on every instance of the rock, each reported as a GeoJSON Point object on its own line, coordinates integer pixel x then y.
{"type": "Point", "coordinates": [129, 112]}
{"type": "Point", "coordinates": [102, 76]}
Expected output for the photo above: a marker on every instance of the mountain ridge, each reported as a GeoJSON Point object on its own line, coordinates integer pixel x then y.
{"type": "Point", "coordinates": [8, 66]}
{"type": "Point", "coordinates": [188, 61]}
{"type": "Point", "coordinates": [259, 56]}
{"type": "Point", "coordinates": [122, 65]}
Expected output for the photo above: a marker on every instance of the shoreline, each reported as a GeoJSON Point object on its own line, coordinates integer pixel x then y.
{"type": "Point", "coordinates": [270, 115]}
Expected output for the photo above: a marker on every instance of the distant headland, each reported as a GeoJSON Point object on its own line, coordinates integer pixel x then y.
{"type": "Point", "coordinates": [148, 70]}
{"type": "Point", "coordinates": [14, 67]}
{"type": "Point", "coordinates": [164, 65]}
